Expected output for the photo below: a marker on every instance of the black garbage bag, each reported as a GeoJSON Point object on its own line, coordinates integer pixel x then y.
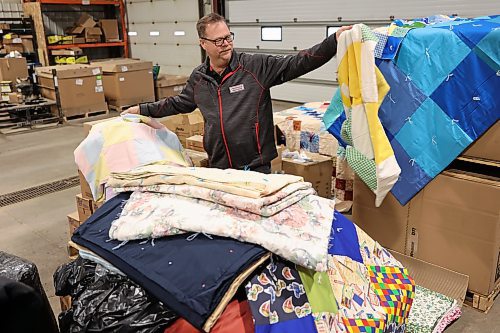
{"type": "Point", "coordinates": [23, 302]}
{"type": "Point", "coordinates": [103, 301]}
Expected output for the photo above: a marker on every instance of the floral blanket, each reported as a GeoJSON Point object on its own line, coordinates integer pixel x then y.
{"type": "Point", "coordinates": [299, 233]}
{"type": "Point", "coordinates": [265, 206]}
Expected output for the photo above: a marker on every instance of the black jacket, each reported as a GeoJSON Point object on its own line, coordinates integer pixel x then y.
{"type": "Point", "coordinates": [239, 128]}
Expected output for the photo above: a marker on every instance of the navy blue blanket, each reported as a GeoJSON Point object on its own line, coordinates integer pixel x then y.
{"type": "Point", "coordinates": [190, 277]}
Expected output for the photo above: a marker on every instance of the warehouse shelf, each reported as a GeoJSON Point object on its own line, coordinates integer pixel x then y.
{"type": "Point", "coordinates": [79, 2]}
{"type": "Point", "coordinates": [86, 45]}
{"type": "Point", "coordinates": [34, 9]}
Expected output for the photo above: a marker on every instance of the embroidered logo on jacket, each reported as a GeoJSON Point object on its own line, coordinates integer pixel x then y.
{"type": "Point", "coordinates": [237, 88]}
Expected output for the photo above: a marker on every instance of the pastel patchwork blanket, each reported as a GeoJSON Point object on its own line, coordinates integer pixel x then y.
{"type": "Point", "coordinates": [265, 206]}
{"type": "Point", "coordinates": [299, 233]}
{"type": "Point", "coordinates": [122, 144]}
{"type": "Point", "coordinates": [243, 183]}
{"type": "Point", "coordinates": [361, 90]}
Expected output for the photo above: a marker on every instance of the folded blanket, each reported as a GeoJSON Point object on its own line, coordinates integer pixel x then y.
{"type": "Point", "coordinates": [264, 206]}
{"type": "Point", "coordinates": [244, 183]}
{"type": "Point", "coordinates": [298, 233]}
{"type": "Point", "coordinates": [432, 312]}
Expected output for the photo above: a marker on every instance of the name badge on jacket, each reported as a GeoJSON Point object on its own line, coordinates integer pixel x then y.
{"type": "Point", "coordinates": [237, 88]}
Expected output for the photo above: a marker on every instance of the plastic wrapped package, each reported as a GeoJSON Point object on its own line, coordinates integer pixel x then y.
{"type": "Point", "coordinates": [106, 302]}
{"type": "Point", "coordinates": [22, 293]}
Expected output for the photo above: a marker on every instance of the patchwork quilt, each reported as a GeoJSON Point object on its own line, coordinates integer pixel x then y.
{"type": "Point", "coordinates": [444, 83]}
{"type": "Point", "coordinates": [124, 143]}
{"type": "Point", "coordinates": [364, 290]}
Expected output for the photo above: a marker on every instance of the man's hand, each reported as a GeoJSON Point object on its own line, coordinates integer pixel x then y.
{"type": "Point", "coordinates": [132, 110]}
{"type": "Point", "coordinates": [341, 30]}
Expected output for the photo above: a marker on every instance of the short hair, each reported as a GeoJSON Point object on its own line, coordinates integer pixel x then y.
{"type": "Point", "coordinates": [202, 23]}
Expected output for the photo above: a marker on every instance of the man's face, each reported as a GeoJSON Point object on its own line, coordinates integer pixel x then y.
{"type": "Point", "coordinates": [217, 54]}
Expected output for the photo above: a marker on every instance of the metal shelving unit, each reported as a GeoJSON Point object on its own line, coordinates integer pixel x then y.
{"type": "Point", "coordinates": [34, 9]}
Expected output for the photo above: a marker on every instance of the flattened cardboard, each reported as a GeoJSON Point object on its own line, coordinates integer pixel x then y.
{"type": "Point", "coordinates": [86, 21]}
{"type": "Point", "coordinates": [436, 278]}
{"type": "Point", "coordinates": [487, 146]}
{"type": "Point", "coordinates": [319, 172]}
{"type": "Point", "coordinates": [110, 30]}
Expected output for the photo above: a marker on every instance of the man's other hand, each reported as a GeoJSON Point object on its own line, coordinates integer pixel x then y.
{"type": "Point", "coordinates": [131, 110]}
{"type": "Point", "coordinates": [341, 30]}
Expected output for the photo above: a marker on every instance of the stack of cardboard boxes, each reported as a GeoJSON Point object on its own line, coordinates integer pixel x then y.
{"type": "Point", "coordinates": [169, 85]}
{"type": "Point", "coordinates": [454, 222]}
{"type": "Point", "coordinates": [11, 69]}
{"type": "Point", "coordinates": [78, 89]}
{"type": "Point", "coordinates": [20, 43]}
{"type": "Point", "coordinates": [127, 82]}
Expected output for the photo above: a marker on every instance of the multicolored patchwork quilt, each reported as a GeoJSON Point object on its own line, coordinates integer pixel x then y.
{"type": "Point", "coordinates": [444, 83]}
{"type": "Point", "coordinates": [364, 289]}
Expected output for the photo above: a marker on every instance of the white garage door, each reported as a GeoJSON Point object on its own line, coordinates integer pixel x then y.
{"type": "Point", "coordinates": [164, 31]}
{"type": "Point", "coordinates": [304, 23]}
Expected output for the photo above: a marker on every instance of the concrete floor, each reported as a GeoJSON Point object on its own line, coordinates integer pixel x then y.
{"type": "Point", "coordinates": [37, 229]}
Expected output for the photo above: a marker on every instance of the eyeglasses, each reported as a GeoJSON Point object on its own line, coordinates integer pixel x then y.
{"type": "Point", "coordinates": [220, 41]}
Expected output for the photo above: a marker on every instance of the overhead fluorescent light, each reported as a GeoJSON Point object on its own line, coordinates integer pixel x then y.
{"type": "Point", "coordinates": [132, 33]}
{"type": "Point", "coordinates": [179, 33]}
{"type": "Point", "coordinates": [271, 34]}
{"type": "Point", "coordinates": [154, 33]}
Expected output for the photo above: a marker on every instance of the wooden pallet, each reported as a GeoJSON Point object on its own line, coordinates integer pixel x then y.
{"type": "Point", "coordinates": [480, 302]}
{"type": "Point", "coordinates": [119, 108]}
{"type": "Point", "coordinates": [85, 115]}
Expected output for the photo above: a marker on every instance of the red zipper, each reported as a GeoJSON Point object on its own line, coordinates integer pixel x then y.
{"type": "Point", "coordinates": [222, 128]}
{"type": "Point", "coordinates": [220, 114]}
{"type": "Point", "coordinates": [257, 135]}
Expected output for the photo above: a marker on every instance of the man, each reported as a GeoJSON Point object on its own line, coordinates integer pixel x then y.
{"type": "Point", "coordinates": [231, 90]}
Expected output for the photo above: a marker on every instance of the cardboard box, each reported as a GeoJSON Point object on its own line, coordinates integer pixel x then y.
{"type": "Point", "coordinates": [13, 68]}
{"type": "Point", "coordinates": [86, 21]}
{"type": "Point", "coordinates": [127, 81]}
{"type": "Point", "coordinates": [14, 47]}
{"type": "Point", "coordinates": [93, 34]}
{"type": "Point", "coordinates": [75, 30]}
{"type": "Point", "coordinates": [199, 159]}
{"type": "Point", "coordinates": [318, 172]}
{"type": "Point", "coordinates": [80, 88]}
{"type": "Point", "coordinates": [185, 125]}
{"type": "Point", "coordinates": [15, 98]}
{"type": "Point", "coordinates": [169, 85]}
{"type": "Point", "coordinates": [27, 41]}
{"type": "Point", "coordinates": [277, 163]}
{"type": "Point", "coordinates": [454, 222]}
{"type": "Point", "coordinates": [84, 186]}
{"type": "Point", "coordinates": [86, 207]}
{"type": "Point", "coordinates": [74, 51]}
{"type": "Point", "coordinates": [110, 30]}
{"type": "Point", "coordinates": [79, 40]}
{"type": "Point", "coordinates": [195, 142]}
{"type": "Point", "coordinates": [73, 222]}
{"type": "Point", "coordinates": [487, 146]}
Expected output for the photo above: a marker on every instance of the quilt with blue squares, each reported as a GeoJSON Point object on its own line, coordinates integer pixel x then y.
{"type": "Point", "coordinates": [444, 85]}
